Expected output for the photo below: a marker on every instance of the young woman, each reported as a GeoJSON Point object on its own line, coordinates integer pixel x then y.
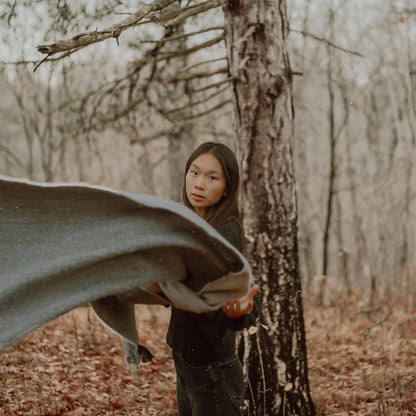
{"type": "Point", "coordinates": [209, 374]}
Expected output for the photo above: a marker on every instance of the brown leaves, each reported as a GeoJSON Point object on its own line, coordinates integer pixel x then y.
{"type": "Point", "coordinates": [360, 362]}
{"type": "Point", "coordinates": [75, 367]}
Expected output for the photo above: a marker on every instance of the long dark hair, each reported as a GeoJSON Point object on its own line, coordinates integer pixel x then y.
{"type": "Point", "coordinates": [227, 208]}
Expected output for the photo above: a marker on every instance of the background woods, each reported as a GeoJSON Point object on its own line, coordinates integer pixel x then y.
{"type": "Point", "coordinates": [160, 77]}
{"type": "Point", "coordinates": [95, 118]}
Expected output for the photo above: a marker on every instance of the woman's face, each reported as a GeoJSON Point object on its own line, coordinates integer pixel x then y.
{"type": "Point", "coordinates": [205, 182]}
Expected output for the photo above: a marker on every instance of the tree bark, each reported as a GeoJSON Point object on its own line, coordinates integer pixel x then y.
{"type": "Point", "coordinates": [256, 36]}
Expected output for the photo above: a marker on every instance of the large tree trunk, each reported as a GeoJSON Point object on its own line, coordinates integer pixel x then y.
{"type": "Point", "coordinates": [256, 36]}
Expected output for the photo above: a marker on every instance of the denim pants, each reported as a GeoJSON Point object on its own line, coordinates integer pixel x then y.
{"type": "Point", "coordinates": [215, 389]}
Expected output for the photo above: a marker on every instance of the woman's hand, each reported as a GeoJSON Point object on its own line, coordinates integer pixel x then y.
{"type": "Point", "coordinates": [239, 307]}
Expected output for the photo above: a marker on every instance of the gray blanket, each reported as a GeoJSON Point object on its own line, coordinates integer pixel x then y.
{"type": "Point", "coordinates": [65, 245]}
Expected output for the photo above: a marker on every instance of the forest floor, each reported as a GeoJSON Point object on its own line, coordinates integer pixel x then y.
{"type": "Point", "coordinates": [362, 361]}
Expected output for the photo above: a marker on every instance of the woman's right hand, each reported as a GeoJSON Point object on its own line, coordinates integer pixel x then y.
{"type": "Point", "coordinates": [241, 306]}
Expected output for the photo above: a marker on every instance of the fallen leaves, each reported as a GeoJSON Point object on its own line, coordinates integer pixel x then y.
{"type": "Point", "coordinates": [358, 365]}
{"type": "Point", "coordinates": [61, 369]}
{"type": "Point", "coordinates": [361, 365]}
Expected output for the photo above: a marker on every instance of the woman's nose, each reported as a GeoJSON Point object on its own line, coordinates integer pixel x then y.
{"type": "Point", "coordinates": [200, 183]}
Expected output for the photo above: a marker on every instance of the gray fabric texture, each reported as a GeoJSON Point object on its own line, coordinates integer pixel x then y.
{"type": "Point", "coordinates": [65, 245]}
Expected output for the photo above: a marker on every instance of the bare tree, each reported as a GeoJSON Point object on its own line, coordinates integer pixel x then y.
{"type": "Point", "coordinates": [256, 34]}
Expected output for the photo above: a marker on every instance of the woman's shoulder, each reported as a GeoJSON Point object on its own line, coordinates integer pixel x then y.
{"type": "Point", "coordinates": [230, 223]}
{"type": "Point", "coordinates": [230, 229]}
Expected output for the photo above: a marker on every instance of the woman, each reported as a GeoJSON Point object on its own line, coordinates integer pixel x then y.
{"type": "Point", "coordinates": [209, 374]}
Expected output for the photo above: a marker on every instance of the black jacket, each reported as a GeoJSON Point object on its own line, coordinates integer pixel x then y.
{"type": "Point", "coordinates": [209, 336]}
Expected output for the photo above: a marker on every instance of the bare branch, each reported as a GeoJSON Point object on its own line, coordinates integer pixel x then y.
{"type": "Point", "coordinates": [175, 129]}
{"type": "Point", "coordinates": [12, 156]}
{"type": "Point", "coordinates": [192, 11]}
{"type": "Point", "coordinates": [199, 75]}
{"type": "Point", "coordinates": [180, 52]}
{"type": "Point", "coordinates": [84, 39]}
{"type": "Point", "coordinates": [217, 84]}
{"type": "Point", "coordinates": [195, 103]}
{"type": "Point", "coordinates": [40, 63]}
{"type": "Point", "coordinates": [87, 38]}
{"type": "Point", "coordinates": [37, 63]}
{"type": "Point", "coordinates": [11, 13]}
{"type": "Point", "coordinates": [328, 42]}
{"type": "Point", "coordinates": [204, 113]}
{"type": "Point", "coordinates": [184, 35]}
{"type": "Point", "coordinates": [203, 45]}
{"type": "Point", "coordinates": [202, 63]}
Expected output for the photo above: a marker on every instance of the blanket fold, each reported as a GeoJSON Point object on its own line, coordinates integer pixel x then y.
{"type": "Point", "coordinates": [64, 245]}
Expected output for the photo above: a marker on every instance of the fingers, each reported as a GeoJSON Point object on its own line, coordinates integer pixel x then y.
{"type": "Point", "coordinates": [227, 310]}
{"type": "Point", "coordinates": [248, 308]}
{"type": "Point", "coordinates": [239, 307]}
{"type": "Point", "coordinates": [233, 309]}
{"type": "Point", "coordinates": [252, 292]}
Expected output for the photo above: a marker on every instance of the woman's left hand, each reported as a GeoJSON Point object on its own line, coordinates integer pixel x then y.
{"type": "Point", "coordinates": [241, 306]}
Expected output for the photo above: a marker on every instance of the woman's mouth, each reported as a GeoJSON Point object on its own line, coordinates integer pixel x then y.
{"type": "Point", "coordinates": [197, 197]}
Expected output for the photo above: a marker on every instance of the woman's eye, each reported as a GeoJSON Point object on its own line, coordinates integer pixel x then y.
{"type": "Point", "coordinates": [212, 178]}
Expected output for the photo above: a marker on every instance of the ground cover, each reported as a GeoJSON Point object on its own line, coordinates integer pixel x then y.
{"type": "Point", "coordinates": [362, 361]}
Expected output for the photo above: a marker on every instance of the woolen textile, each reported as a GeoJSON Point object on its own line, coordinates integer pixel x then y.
{"type": "Point", "coordinates": [66, 245]}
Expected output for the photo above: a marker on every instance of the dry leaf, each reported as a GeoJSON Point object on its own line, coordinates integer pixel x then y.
{"type": "Point", "coordinates": [288, 387]}
{"type": "Point", "coordinates": [252, 330]}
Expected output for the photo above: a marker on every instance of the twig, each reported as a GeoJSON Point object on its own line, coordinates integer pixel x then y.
{"type": "Point", "coordinates": [195, 103]}
{"type": "Point", "coordinates": [197, 75]}
{"type": "Point", "coordinates": [253, 400]}
{"type": "Point", "coordinates": [202, 63]}
{"type": "Point", "coordinates": [262, 369]}
{"type": "Point", "coordinates": [37, 62]}
{"type": "Point", "coordinates": [328, 42]}
{"type": "Point", "coordinates": [171, 131]}
{"type": "Point", "coordinates": [192, 11]}
{"type": "Point", "coordinates": [9, 18]}
{"type": "Point", "coordinates": [40, 63]}
{"type": "Point", "coordinates": [12, 156]}
{"type": "Point", "coordinates": [184, 35]}
{"type": "Point", "coordinates": [217, 84]}
{"type": "Point", "coordinates": [204, 113]}
{"type": "Point", "coordinates": [180, 52]}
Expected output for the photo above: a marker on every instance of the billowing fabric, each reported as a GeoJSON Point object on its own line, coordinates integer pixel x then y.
{"type": "Point", "coordinates": [65, 245]}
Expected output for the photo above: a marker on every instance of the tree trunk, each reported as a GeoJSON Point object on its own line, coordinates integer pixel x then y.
{"type": "Point", "coordinates": [181, 145]}
{"type": "Point", "coordinates": [256, 36]}
{"type": "Point", "coordinates": [332, 166]}
{"type": "Point", "coordinates": [342, 253]}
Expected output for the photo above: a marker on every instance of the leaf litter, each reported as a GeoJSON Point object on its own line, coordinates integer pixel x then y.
{"type": "Point", "coordinates": [361, 361]}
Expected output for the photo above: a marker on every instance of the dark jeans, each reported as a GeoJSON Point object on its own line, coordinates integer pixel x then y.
{"type": "Point", "coordinates": [216, 389]}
